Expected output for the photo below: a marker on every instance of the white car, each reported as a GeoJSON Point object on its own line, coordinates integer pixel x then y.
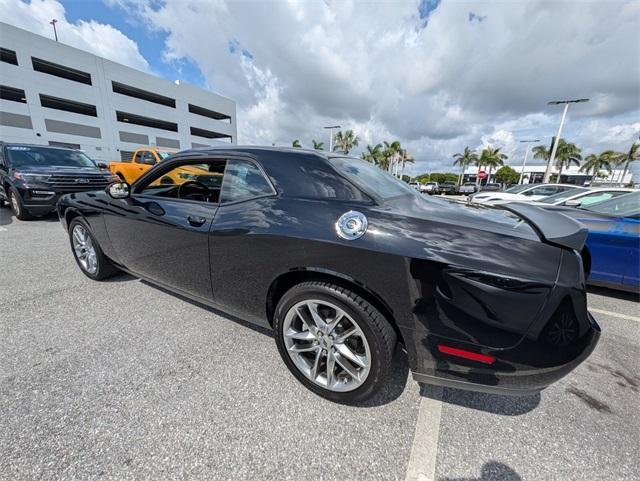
{"type": "Point", "coordinates": [582, 197]}
{"type": "Point", "coordinates": [420, 187]}
{"type": "Point", "coordinates": [524, 192]}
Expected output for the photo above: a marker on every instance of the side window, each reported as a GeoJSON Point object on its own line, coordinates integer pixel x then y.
{"type": "Point", "coordinates": [244, 180]}
{"type": "Point", "coordinates": [595, 198]}
{"type": "Point", "coordinates": [146, 158]}
{"type": "Point", "coordinates": [197, 181]}
{"type": "Point", "coordinates": [137, 156]}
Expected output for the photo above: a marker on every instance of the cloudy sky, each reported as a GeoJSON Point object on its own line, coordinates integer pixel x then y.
{"type": "Point", "coordinates": [435, 74]}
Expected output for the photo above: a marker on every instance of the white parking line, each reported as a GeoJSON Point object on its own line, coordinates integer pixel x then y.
{"type": "Point", "coordinates": [3, 229]}
{"type": "Point", "coordinates": [422, 462]}
{"type": "Point", "coordinates": [615, 314]}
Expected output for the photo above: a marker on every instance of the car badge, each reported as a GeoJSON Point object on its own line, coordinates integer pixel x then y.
{"type": "Point", "coordinates": [82, 181]}
{"type": "Point", "coordinates": [351, 225]}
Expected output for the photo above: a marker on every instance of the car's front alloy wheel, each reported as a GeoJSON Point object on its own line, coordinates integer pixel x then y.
{"type": "Point", "coordinates": [84, 250]}
{"type": "Point", "coordinates": [333, 341]}
{"type": "Point", "coordinates": [87, 253]}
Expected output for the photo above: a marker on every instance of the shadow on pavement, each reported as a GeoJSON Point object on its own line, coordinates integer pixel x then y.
{"type": "Point", "coordinates": [491, 403]}
{"type": "Point", "coordinates": [491, 471]}
{"type": "Point", "coordinates": [623, 295]}
{"type": "Point", "coordinates": [398, 371]}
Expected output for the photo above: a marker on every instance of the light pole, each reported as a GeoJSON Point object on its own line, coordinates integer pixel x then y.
{"type": "Point", "coordinates": [331, 127]}
{"type": "Point", "coordinates": [55, 32]}
{"type": "Point", "coordinates": [526, 154]}
{"type": "Point", "coordinates": [547, 172]}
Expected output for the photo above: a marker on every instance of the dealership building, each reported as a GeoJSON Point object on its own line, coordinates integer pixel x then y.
{"type": "Point", "coordinates": [54, 94]}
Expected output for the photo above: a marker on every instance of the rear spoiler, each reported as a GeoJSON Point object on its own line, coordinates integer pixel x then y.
{"type": "Point", "coordinates": [553, 228]}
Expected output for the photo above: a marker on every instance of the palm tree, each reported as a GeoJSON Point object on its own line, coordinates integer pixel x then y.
{"type": "Point", "coordinates": [373, 154]}
{"type": "Point", "coordinates": [390, 152]}
{"type": "Point", "coordinates": [405, 158]}
{"type": "Point", "coordinates": [465, 159]}
{"type": "Point", "coordinates": [345, 141]}
{"type": "Point", "coordinates": [491, 158]}
{"type": "Point", "coordinates": [318, 145]}
{"type": "Point", "coordinates": [633, 154]}
{"type": "Point", "coordinates": [296, 143]}
{"type": "Point", "coordinates": [567, 153]}
{"type": "Point", "coordinates": [595, 163]}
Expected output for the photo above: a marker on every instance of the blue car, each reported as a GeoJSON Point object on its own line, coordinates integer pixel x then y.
{"type": "Point", "coordinates": [612, 252]}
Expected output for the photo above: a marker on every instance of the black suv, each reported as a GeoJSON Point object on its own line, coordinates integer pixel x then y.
{"type": "Point", "coordinates": [449, 188]}
{"type": "Point", "coordinates": [33, 177]}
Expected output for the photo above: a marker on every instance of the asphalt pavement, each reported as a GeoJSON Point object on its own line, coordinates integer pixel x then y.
{"type": "Point", "coordinates": [122, 380]}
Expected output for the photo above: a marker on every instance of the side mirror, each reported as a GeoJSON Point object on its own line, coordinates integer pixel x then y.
{"type": "Point", "coordinates": [119, 190]}
{"type": "Point", "coordinates": [102, 165]}
{"type": "Point", "coordinates": [573, 203]}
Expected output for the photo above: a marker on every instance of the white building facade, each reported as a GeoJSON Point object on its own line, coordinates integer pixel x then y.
{"type": "Point", "coordinates": [54, 94]}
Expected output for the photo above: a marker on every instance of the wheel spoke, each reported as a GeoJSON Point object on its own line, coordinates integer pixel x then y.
{"type": "Point", "coordinates": [333, 323]}
{"type": "Point", "coordinates": [317, 318]}
{"type": "Point", "coordinates": [316, 364]}
{"type": "Point", "coordinates": [300, 335]}
{"type": "Point", "coordinates": [306, 320]}
{"type": "Point", "coordinates": [348, 333]}
{"type": "Point", "coordinates": [77, 236]}
{"type": "Point", "coordinates": [344, 350]}
{"type": "Point", "coordinates": [300, 348]}
{"type": "Point", "coordinates": [331, 365]}
{"type": "Point", "coordinates": [340, 360]}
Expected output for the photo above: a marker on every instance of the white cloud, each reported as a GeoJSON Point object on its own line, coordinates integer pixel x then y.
{"type": "Point", "coordinates": [98, 38]}
{"type": "Point", "coordinates": [296, 66]}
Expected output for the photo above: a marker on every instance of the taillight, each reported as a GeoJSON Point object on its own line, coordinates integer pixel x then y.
{"type": "Point", "coordinates": [473, 356]}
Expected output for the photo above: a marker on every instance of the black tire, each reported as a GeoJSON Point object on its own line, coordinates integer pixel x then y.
{"type": "Point", "coordinates": [17, 206]}
{"type": "Point", "coordinates": [378, 332]}
{"type": "Point", "coordinates": [105, 268]}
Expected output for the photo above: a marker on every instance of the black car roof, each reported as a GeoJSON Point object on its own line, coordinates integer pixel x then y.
{"type": "Point", "coordinates": [256, 149]}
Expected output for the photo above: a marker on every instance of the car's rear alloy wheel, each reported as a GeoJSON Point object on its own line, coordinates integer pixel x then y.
{"type": "Point", "coordinates": [333, 341]}
{"type": "Point", "coordinates": [327, 345]}
{"type": "Point", "coordinates": [93, 263]}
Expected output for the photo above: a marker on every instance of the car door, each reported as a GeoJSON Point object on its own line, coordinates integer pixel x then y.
{"type": "Point", "coordinates": [629, 228]}
{"type": "Point", "coordinates": [161, 231]}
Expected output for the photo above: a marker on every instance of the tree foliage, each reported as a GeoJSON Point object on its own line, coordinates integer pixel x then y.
{"type": "Point", "coordinates": [507, 175]}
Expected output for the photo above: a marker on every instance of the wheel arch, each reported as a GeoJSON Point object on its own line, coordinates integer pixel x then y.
{"type": "Point", "coordinates": [286, 281]}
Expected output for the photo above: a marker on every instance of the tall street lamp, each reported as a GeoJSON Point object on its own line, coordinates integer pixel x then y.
{"type": "Point", "coordinates": [55, 32]}
{"type": "Point", "coordinates": [526, 154]}
{"type": "Point", "coordinates": [547, 172]}
{"type": "Point", "coordinates": [331, 127]}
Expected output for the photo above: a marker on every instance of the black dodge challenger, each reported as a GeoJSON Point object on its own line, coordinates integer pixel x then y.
{"type": "Point", "coordinates": [344, 261]}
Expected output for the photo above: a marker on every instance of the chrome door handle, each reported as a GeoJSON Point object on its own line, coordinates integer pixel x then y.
{"type": "Point", "coordinates": [196, 220]}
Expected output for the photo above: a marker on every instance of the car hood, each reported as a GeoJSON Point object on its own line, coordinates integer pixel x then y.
{"type": "Point", "coordinates": [48, 170]}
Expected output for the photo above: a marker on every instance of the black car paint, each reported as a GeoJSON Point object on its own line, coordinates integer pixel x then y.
{"type": "Point", "coordinates": [39, 205]}
{"type": "Point", "coordinates": [442, 272]}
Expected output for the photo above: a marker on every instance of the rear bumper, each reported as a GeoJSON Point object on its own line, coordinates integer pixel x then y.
{"type": "Point", "coordinates": [525, 369]}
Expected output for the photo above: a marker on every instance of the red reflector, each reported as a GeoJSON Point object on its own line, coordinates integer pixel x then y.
{"type": "Point", "coordinates": [474, 356]}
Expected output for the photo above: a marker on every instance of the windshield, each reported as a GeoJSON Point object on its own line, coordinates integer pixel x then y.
{"type": "Point", "coordinates": [27, 156]}
{"type": "Point", "coordinates": [622, 206]}
{"type": "Point", "coordinates": [559, 197]}
{"type": "Point", "coordinates": [518, 188]}
{"type": "Point", "coordinates": [372, 179]}
{"type": "Point", "coordinates": [163, 155]}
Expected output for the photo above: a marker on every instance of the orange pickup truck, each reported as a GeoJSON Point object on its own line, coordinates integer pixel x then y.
{"type": "Point", "coordinates": [142, 160]}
